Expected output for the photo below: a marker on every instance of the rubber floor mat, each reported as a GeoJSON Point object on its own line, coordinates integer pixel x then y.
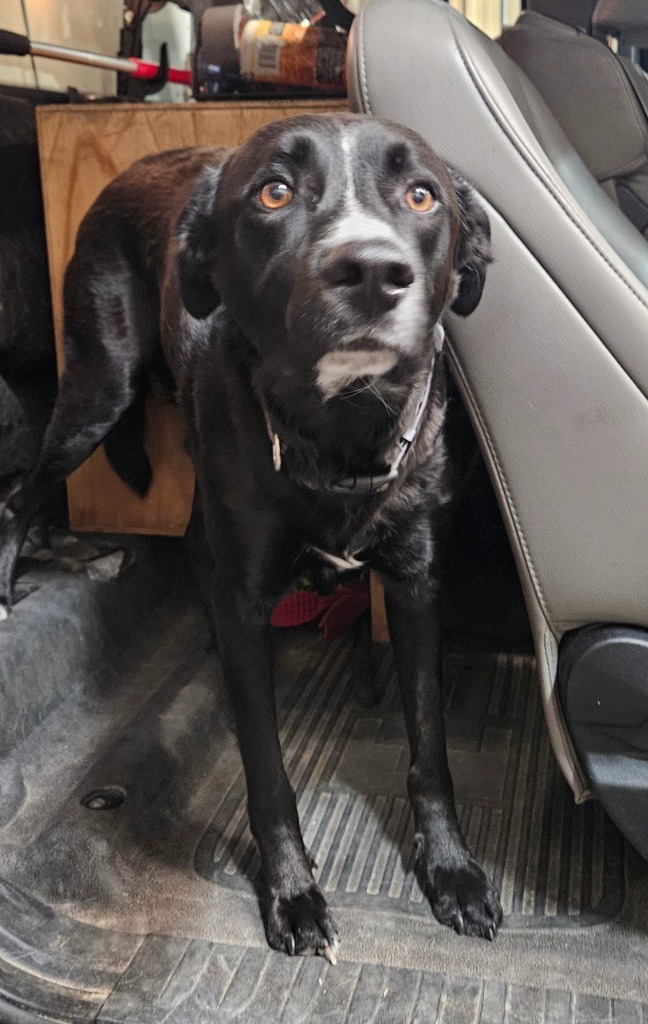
{"type": "Point", "coordinates": [255, 987]}
{"type": "Point", "coordinates": [127, 869]}
{"type": "Point", "coordinates": [556, 865]}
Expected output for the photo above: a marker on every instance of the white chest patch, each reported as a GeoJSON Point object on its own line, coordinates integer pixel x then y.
{"type": "Point", "coordinates": [341, 562]}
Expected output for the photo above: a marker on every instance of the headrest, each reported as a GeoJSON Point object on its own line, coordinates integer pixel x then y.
{"type": "Point", "coordinates": [572, 12]}
{"type": "Point", "coordinates": [626, 20]}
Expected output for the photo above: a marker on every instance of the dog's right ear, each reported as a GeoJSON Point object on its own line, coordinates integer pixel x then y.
{"type": "Point", "coordinates": [473, 248]}
{"type": "Point", "coordinates": [196, 246]}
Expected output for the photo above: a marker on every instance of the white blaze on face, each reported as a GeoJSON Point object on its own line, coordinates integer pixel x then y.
{"type": "Point", "coordinates": [339, 367]}
{"type": "Point", "coordinates": [355, 224]}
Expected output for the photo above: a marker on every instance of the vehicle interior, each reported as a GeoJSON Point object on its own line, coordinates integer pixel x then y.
{"type": "Point", "coordinates": [127, 868]}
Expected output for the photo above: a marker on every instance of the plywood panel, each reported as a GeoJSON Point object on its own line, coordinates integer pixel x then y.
{"type": "Point", "coordinates": [379, 627]}
{"type": "Point", "coordinates": [82, 148]}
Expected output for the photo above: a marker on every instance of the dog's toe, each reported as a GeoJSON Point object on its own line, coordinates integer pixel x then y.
{"type": "Point", "coordinates": [302, 925]}
{"type": "Point", "coordinates": [464, 899]}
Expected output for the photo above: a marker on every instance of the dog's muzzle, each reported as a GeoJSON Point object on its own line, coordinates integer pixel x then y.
{"type": "Point", "coordinates": [373, 483]}
{"type": "Point", "coordinates": [371, 277]}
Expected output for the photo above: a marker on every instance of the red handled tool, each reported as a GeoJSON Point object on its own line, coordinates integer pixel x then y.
{"type": "Point", "coordinates": [20, 46]}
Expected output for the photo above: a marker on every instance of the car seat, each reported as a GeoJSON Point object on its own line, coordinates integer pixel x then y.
{"type": "Point", "coordinates": [553, 368]}
{"type": "Point", "coordinates": [600, 99]}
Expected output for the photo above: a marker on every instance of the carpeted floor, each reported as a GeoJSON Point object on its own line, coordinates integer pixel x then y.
{"type": "Point", "coordinates": [145, 913]}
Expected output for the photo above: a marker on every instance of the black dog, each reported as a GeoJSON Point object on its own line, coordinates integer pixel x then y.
{"type": "Point", "coordinates": [296, 286]}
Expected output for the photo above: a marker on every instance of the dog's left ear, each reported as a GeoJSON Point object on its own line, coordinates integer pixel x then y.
{"type": "Point", "coordinates": [196, 246]}
{"type": "Point", "coordinates": [473, 248]}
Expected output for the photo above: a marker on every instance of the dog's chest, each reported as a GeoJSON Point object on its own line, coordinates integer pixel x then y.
{"type": "Point", "coordinates": [322, 570]}
{"type": "Point", "coordinates": [340, 542]}
{"type": "Point", "coordinates": [326, 558]}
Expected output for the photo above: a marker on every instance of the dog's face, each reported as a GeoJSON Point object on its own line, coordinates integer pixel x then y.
{"type": "Point", "coordinates": [336, 243]}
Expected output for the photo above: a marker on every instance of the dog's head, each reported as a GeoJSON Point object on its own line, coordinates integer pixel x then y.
{"type": "Point", "coordinates": [336, 243]}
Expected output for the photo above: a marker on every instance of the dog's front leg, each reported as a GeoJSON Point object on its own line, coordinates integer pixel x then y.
{"type": "Point", "coordinates": [461, 895]}
{"type": "Point", "coordinates": [295, 914]}
{"type": "Point", "coordinates": [296, 917]}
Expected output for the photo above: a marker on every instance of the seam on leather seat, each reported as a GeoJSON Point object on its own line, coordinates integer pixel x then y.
{"type": "Point", "coordinates": [364, 86]}
{"type": "Point", "coordinates": [521, 149]}
{"type": "Point", "coordinates": [502, 478]}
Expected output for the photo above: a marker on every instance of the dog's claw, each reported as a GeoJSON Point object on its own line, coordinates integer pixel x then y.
{"type": "Point", "coordinates": [330, 956]}
{"type": "Point", "coordinates": [301, 924]}
{"type": "Point", "coordinates": [465, 900]}
{"type": "Point", "coordinates": [419, 846]}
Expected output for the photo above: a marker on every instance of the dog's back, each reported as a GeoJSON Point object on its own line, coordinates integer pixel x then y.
{"type": "Point", "coordinates": [113, 283]}
{"type": "Point", "coordinates": [135, 215]}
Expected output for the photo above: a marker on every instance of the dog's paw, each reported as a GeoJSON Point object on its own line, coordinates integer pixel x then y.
{"type": "Point", "coordinates": [302, 925]}
{"type": "Point", "coordinates": [464, 899]}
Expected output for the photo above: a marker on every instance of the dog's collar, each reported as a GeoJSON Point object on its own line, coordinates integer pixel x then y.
{"type": "Point", "coordinates": [375, 482]}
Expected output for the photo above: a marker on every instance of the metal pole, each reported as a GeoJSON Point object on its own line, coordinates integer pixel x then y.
{"type": "Point", "coordinates": [125, 65]}
{"type": "Point", "coordinates": [121, 64]}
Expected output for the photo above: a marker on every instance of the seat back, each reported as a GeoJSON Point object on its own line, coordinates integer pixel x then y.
{"type": "Point", "coordinates": [599, 99]}
{"type": "Point", "coordinates": [553, 364]}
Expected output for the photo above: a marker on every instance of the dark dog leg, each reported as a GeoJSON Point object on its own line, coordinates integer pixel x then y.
{"type": "Point", "coordinates": [295, 913]}
{"type": "Point", "coordinates": [461, 895]}
{"type": "Point", "coordinates": [104, 355]}
{"type": "Point", "coordinates": [296, 917]}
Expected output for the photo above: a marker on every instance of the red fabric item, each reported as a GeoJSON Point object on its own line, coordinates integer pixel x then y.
{"type": "Point", "coordinates": [338, 610]}
{"type": "Point", "coordinates": [297, 608]}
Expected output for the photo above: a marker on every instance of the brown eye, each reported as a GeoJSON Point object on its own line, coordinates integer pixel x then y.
{"type": "Point", "coordinates": [275, 194]}
{"type": "Point", "coordinates": [419, 198]}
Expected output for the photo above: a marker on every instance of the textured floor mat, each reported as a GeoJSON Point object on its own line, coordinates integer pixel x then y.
{"type": "Point", "coordinates": [255, 987]}
{"type": "Point", "coordinates": [126, 867]}
{"type": "Point", "coordinates": [556, 864]}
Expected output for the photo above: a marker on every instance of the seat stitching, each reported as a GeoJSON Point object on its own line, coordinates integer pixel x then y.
{"type": "Point", "coordinates": [364, 85]}
{"type": "Point", "coordinates": [502, 477]}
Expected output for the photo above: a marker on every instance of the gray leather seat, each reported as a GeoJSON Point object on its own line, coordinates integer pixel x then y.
{"type": "Point", "coordinates": [553, 365]}
{"type": "Point", "coordinates": [599, 99]}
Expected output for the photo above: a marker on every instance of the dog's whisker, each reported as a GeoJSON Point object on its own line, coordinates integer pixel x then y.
{"type": "Point", "coordinates": [358, 391]}
{"type": "Point", "coordinates": [381, 398]}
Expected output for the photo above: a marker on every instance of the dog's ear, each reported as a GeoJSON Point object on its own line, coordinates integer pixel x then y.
{"type": "Point", "coordinates": [196, 246]}
{"type": "Point", "coordinates": [473, 248]}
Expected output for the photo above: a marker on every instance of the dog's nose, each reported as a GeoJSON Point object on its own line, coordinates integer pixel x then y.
{"type": "Point", "coordinates": [368, 274]}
